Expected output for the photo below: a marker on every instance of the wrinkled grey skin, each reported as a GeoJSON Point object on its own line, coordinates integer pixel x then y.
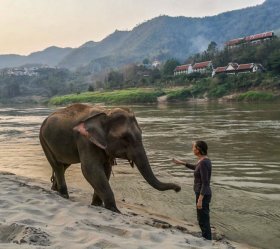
{"type": "Point", "coordinates": [94, 137]}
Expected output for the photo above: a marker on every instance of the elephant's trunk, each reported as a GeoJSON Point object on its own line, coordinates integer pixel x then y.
{"type": "Point", "coordinates": [144, 167]}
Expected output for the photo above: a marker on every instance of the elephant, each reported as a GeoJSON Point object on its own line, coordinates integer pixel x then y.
{"type": "Point", "coordinates": [95, 136]}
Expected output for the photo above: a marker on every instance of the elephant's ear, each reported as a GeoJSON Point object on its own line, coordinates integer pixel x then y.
{"type": "Point", "coordinates": [93, 129]}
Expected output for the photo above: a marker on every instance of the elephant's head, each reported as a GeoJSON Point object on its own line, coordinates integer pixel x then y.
{"type": "Point", "coordinates": [119, 134]}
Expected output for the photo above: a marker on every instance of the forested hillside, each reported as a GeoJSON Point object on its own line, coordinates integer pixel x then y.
{"type": "Point", "coordinates": [177, 37]}
{"type": "Point", "coordinates": [44, 83]}
{"type": "Point", "coordinates": [160, 38]}
{"type": "Point", "coordinates": [266, 53]}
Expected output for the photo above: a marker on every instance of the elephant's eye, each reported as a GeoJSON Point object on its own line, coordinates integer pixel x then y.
{"type": "Point", "coordinates": [126, 138]}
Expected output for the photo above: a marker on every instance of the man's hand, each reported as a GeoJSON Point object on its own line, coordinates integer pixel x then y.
{"type": "Point", "coordinates": [199, 202]}
{"type": "Point", "coordinates": [178, 161]}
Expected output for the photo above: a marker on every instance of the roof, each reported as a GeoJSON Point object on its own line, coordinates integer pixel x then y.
{"type": "Point", "coordinates": [237, 67]}
{"type": "Point", "coordinates": [259, 36]}
{"type": "Point", "coordinates": [245, 66]}
{"type": "Point", "coordinates": [201, 65]}
{"type": "Point", "coordinates": [250, 38]}
{"type": "Point", "coordinates": [233, 64]}
{"type": "Point", "coordinates": [234, 41]}
{"type": "Point", "coordinates": [220, 69]}
{"type": "Point", "coordinates": [182, 67]}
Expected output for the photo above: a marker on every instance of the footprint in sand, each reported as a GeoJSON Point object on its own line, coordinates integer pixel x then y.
{"type": "Point", "coordinates": [20, 234]}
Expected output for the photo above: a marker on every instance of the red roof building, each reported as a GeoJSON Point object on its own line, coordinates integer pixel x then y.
{"type": "Point", "coordinates": [235, 42]}
{"type": "Point", "coordinates": [246, 67]}
{"type": "Point", "coordinates": [202, 65]}
{"type": "Point", "coordinates": [183, 69]}
{"type": "Point", "coordinates": [234, 68]}
{"type": "Point", "coordinates": [219, 70]}
{"type": "Point", "coordinates": [231, 67]}
{"type": "Point", "coordinates": [251, 39]}
{"type": "Point", "coordinates": [262, 36]}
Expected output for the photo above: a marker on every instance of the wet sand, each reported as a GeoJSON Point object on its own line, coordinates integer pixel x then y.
{"type": "Point", "coordinates": [32, 216]}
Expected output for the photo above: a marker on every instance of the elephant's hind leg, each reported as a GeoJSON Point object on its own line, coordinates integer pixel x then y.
{"type": "Point", "coordinates": [57, 178]}
{"type": "Point", "coordinates": [59, 171]}
{"type": "Point", "coordinates": [54, 181]}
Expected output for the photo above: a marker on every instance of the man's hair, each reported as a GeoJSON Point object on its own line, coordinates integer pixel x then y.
{"type": "Point", "coordinates": [202, 147]}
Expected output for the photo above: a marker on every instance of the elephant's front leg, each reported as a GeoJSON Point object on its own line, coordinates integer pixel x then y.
{"type": "Point", "coordinates": [96, 201]}
{"type": "Point", "coordinates": [92, 163]}
{"type": "Point", "coordinates": [96, 176]}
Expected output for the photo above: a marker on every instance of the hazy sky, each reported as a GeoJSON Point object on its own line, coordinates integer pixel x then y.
{"type": "Point", "coordinates": [32, 25]}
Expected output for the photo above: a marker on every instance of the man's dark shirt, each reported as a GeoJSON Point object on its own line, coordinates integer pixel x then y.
{"type": "Point", "coordinates": [202, 176]}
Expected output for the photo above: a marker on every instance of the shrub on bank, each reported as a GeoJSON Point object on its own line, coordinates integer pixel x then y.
{"type": "Point", "coordinates": [179, 95]}
{"type": "Point", "coordinates": [127, 96]}
{"type": "Point", "coordinates": [256, 96]}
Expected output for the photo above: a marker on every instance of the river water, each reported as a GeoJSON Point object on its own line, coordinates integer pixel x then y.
{"type": "Point", "coordinates": [244, 146]}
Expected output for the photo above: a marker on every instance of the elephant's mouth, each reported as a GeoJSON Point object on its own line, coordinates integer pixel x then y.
{"type": "Point", "coordinates": [125, 156]}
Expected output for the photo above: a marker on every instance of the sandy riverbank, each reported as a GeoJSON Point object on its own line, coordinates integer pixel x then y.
{"type": "Point", "coordinates": [32, 216]}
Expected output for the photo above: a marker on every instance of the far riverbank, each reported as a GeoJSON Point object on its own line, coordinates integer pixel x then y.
{"type": "Point", "coordinates": [151, 95]}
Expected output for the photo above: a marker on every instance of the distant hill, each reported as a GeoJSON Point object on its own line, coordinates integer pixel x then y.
{"type": "Point", "coordinates": [161, 38]}
{"type": "Point", "coordinates": [50, 56]}
{"type": "Point", "coordinates": [164, 37]}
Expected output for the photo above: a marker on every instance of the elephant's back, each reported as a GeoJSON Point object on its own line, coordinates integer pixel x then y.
{"type": "Point", "coordinates": [72, 115]}
{"type": "Point", "coordinates": [61, 122]}
{"type": "Point", "coordinates": [57, 130]}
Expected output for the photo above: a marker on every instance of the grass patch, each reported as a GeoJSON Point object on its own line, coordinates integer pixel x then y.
{"type": "Point", "coordinates": [127, 96]}
{"type": "Point", "coordinates": [256, 96]}
{"type": "Point", "coordinates": [179, 95]}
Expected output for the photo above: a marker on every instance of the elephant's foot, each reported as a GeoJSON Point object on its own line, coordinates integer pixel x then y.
{"type": "Point", "coordinates": [54, 186]}
{"type": "Point", "coordinates": [63, 192]}
{"type": "Point", "coordinates": [66, 196]}
{"type": "Point", "coordinates": [113, 208]}
{"type": "Point", "coordinates": [96, 201]}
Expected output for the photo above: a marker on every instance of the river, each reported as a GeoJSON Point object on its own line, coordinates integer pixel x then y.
{"type": "Point", "coordinates": [244, 146]}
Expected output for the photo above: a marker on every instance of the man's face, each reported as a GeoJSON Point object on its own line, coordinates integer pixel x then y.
{"type": "Point", "coordinates": [195, 150]}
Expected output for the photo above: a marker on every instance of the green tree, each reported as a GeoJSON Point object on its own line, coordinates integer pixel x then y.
{"type": "Point", "coordinates": [91, 88]}
{"type": "Point", "coordinates": [212, 48]}
{"type": "Point", "coordinates": [12, 90]}
{"type": "Point", "coordinates": [115, 79]}
{"type": "Point", "coordinates": [146, 61]}
{"type": "Point", "coordinates": [274, 61]}
{"type": "Point", "coordinates": [169, 66]}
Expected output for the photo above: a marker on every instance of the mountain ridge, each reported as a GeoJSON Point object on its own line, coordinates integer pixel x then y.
{"type": "Point", "coordinates": [50, 56]}
{"type": "Point", "coordinates": [161, 38]}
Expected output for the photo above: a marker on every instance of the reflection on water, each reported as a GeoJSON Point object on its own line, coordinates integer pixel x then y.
{"type": "Point", "coordinates": [244, 142]}
{"type": "Point", "coordinates": [20, 150]}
